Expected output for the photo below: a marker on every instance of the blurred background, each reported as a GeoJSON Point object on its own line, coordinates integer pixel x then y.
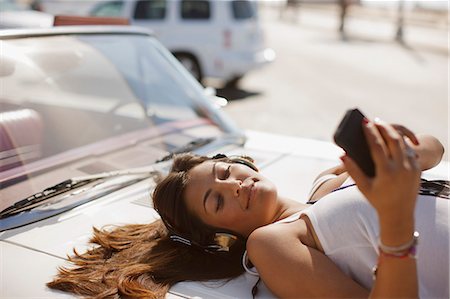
{"type": "Point", "coordinates": [321, 71]}
{"type": "Point", "coordinates": [389, 58]}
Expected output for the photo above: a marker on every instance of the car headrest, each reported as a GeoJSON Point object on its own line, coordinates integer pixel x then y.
{"type": "Point", "coordinates": [20, 137]}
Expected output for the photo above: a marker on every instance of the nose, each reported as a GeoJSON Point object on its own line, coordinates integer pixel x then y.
{"type": "Point", "coordinates": [233, 190]}
{"type": "Point", "coordinates": [230, 186]}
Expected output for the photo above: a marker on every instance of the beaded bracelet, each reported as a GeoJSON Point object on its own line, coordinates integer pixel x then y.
{"type": "Point", "coordinates": [399, 250]}
{"type": "Point", "coordinates": [411, 253]}
{"type": "Point", "coordinates": [408, 250]}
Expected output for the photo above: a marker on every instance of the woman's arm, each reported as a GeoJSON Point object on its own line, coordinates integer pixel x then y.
{"type": "Point", "coordinates": [428, 148]}
{"type": "Point", "coordinates": [335, 177]}
{"type": "Point", "coordinates": [291, 269]}
{"type": "Point", "coordinates": [392, 192]}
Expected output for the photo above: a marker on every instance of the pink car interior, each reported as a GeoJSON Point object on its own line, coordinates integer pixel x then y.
{"type": "Point", "coordinates": [20, 137]}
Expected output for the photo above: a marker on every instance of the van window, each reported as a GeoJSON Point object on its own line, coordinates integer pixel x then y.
{"type": "Point", "coordinates": [195, 10]}
{"type": "Point", "coordinates": [109, 9]}
{"type": "Point", "coordinates": [243, 9]}
{"type": "Point", "coordinates": [150, 9]}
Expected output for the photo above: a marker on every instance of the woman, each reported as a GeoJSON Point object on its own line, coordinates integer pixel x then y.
{"type": "Point", "coordinates": [214, 209]}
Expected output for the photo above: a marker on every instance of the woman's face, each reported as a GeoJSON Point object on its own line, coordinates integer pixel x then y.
{"type": "Point", "coordinates": [231, 196]}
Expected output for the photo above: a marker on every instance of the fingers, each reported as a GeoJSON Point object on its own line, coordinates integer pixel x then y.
{"type": "Point", "coordinates": [412, 157]}
{"type": "Point", "coordinates": [406, 132]}
{"type": "Point", "coordinates": [388, 146]}
{"type": "Point", "coordinates": [394, 141]}
{"type": "Point", "coordinates": [377, 146]}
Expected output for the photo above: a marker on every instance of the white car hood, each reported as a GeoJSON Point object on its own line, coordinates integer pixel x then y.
{"type": "Point", "coordinates": [37, 249]}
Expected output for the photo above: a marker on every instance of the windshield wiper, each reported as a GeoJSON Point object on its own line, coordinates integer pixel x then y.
{"type": "Point", "coordinates": [33, 200]}
{"type": "Point", "coordinates": [41, 198]}
{"type": "Point", "coordinates": [192, 145]}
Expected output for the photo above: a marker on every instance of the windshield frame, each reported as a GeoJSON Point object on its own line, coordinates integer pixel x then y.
{"type": "Point", "coordinates": [210, 110]}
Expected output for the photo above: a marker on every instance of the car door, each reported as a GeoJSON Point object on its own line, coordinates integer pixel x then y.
{"type": "Point", "coordinates": [244, 25]}
{"type": "Point", "coordinates": [198, 31]}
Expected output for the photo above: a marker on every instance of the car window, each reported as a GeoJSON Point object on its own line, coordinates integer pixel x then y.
{"type": "Point", "coordinates": [150, 9]}
{"type": "Point", "coordinates": [66, 92]}
{"type": "Point", "coordinates": [195, 10]}
{"type": "Point", "coordinates": [109, 9]}
{"type": "Point", "coordinates": [8, 5]}
{"type": "Point", "coordinates": [243, 9]}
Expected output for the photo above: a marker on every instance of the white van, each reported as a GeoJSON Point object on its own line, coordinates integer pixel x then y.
{"type": "Point", "coordinates": [212, 39]}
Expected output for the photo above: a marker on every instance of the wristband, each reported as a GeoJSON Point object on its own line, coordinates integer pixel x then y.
{"type": "Point", "coordinates": [407, 250]}
{"type": "Point", "coordinates": [399, 250]}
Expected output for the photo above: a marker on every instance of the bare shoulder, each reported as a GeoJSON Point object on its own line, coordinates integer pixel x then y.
{"type": "Point", "coordinates": [267, 238]}
{"type": "Point", "coordinates": [262, 233]}
{"type": "Point", "coordinates": [283, 261]}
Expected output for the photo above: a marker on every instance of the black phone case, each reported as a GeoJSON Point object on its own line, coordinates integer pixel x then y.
{"type": "Point", "coordinates": [350, 136]}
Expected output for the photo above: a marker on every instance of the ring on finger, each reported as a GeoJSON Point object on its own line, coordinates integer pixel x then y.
{"type": "Point", "coordinates": [410, 153]}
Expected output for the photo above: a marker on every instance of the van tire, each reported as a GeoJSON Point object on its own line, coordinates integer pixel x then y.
{"type": "Point", "coordinates": [191, 64]}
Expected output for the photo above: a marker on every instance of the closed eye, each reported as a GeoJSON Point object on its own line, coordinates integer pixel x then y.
{"type": "Point", "coordinates": [226, 173]}
{"type": "Point", "coordinates": [219, 203]}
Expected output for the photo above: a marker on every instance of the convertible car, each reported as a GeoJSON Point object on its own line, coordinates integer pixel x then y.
{"type": "Point", "coordinates": [88, 115]}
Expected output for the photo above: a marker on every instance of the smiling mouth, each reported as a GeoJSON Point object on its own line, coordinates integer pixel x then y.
{"type": "Point", "coordinates": [251, 194]}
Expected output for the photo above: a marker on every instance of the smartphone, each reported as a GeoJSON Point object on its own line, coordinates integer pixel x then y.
{"type": "Point", "coordinates": [350, 136]}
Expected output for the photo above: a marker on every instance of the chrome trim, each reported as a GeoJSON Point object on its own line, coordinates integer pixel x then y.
{"type": "Point", "coordinates": [83, 29]}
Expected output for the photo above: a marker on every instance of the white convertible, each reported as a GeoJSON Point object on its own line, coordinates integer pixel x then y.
{"type": "Point", "coordinates": [87, 115]}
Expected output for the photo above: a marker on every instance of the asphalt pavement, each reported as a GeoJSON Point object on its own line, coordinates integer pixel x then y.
{"type": "Point", "coordinates": [318, 75]}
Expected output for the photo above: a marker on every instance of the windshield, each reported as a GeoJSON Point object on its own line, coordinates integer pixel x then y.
{"type": "Point", "coordinates": [66, 97]}
{"type": "Point", "coordinates": [9, 5]}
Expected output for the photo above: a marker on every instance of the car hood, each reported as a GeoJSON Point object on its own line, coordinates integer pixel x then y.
{"type": "Point", "coordinates": [291, 163]}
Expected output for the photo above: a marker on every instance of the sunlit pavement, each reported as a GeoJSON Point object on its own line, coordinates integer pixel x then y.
{"type": "Point", "coordinates": [317, 75]}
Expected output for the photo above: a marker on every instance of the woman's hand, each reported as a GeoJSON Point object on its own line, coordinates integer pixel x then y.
{"type": "Point", "coordinates": [393, 190]}
{"type": "Point", "coordinates": [404, 131]}
{"type": "Point", "coordinates": [429, 149]}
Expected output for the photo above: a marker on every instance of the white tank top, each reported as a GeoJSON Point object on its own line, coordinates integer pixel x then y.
{"type": "Point", "coordinates": [347, 227]}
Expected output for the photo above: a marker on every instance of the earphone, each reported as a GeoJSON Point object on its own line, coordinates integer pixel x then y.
{"type": "Point", "coordinates": [222, 240]}
{"type": "Point", "coordinates": [245, 160]}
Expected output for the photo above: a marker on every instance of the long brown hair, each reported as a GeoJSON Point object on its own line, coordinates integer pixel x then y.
{"type": "Point", "coordinates": [141, 260]}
